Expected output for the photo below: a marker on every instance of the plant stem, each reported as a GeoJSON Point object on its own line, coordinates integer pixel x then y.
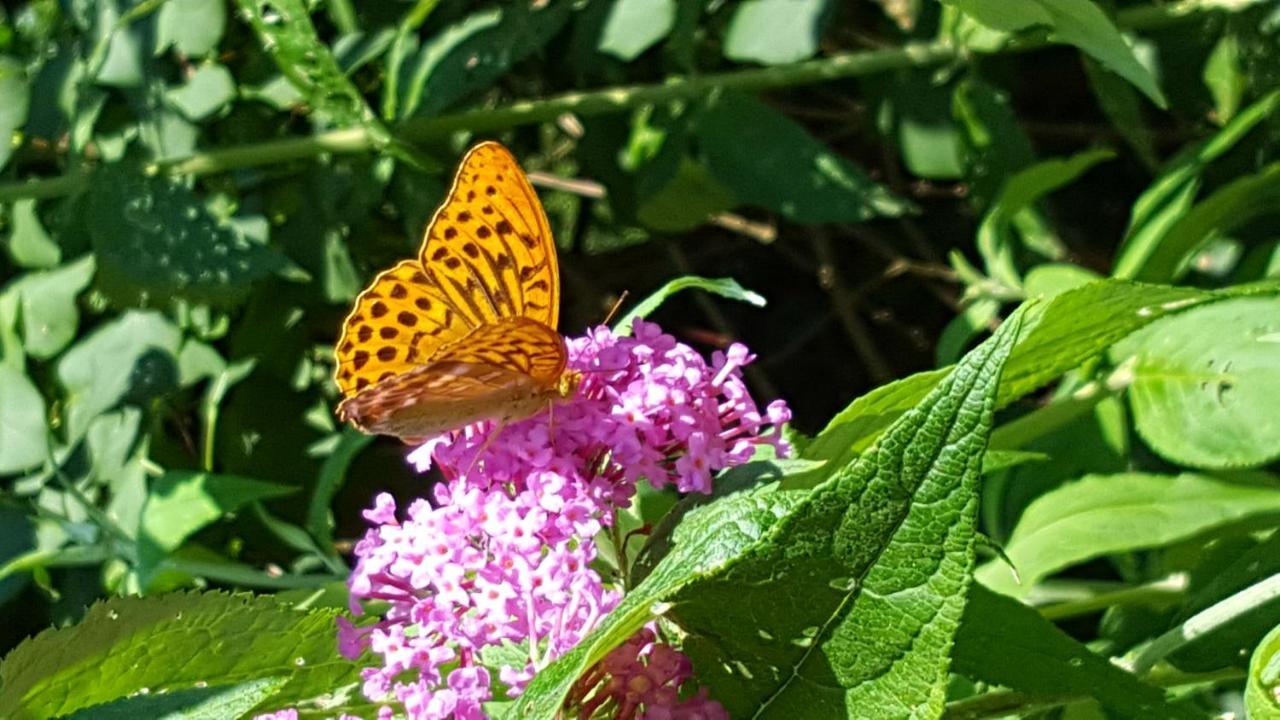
{"type": "Point", "coordinates": [1159, 592]}
{"type": "Point", "coordinates": [608, 100]}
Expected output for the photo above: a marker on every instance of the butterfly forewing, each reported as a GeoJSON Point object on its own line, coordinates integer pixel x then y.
{"type": "Point", "coordinates": [398, 323]}
{"type": "Point", "coordinates": [489, 247]}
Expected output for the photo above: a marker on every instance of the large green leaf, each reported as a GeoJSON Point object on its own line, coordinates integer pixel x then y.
{"type": "Point", "coordinates": [470, 55]}
{"type": "Point", "coordinates": [1262, 692]}
{"type": "Point", "coordinates": [1205, 384]}
{"type": "Point", "coordinates": [24, 439]}
{"type": "Point", "coordinates": [131, 359]}
{"type": "Point", "coordinates": [181, 502]}
{"type": "Point", "coordinates": [808, 573]}
{"type": "Point", "coordinates": [851, 617]}
{"type": "Point", "coordinates": [202, 703]}
{"type": "Point", "coordinates": [1005, 643]}
{"type": "Point", "coordinates": [131, 646]}
{"type": "Point", "coordinates": [155, 240]}
{"type": "Point", "coordinates": [1102, 514]}
{"type": "Point", "coordinates": [767, 159]}
{"type": "Point", "coordinates": [773, 32]}
{"type": "Point", "coordinates": [1073, 22]}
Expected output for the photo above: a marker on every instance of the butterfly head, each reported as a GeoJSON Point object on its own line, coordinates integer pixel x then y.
{"type": "Point", "coordinates": [568, 383]}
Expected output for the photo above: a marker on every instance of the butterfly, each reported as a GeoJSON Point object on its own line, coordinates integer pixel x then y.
{"type": "Point", "coordinates": [466, 330]}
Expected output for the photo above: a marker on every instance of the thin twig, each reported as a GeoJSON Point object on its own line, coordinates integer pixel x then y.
{"type": "Point", "coordinates": [846, 308]}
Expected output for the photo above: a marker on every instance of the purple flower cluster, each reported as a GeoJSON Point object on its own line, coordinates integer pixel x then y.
{"type": "Point", "coordinates": [642, 678]}
{"type": "Point", "coordinates": [499, 566]}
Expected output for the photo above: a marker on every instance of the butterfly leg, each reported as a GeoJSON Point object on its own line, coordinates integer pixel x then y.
{"type": "Point", "coordinates": [498, 427]}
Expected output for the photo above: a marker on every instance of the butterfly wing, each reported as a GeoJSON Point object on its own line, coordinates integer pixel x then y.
{"type": "Point", "coordinates": [489, 247]}
{"type": "Point", "coordinates": [505, 370]}
{"type": "Point", "coordinates": [399, 322]}
{"type": "Point", "coordinates": [487, 254]}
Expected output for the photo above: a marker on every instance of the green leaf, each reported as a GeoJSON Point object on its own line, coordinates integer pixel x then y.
{"type": "Point", "coordinates": [633, 26]}
{"type": "Point", "coordinates": [125, 62]}
{"type": "Point", "coordinates": [1262, 691]}
{"type": "Point", "coordinates": [1205, 383]}
{"type": "Point", "coordinates": [1123, 108]}
{"type": "Point", "coordinates": [209, 90]}
{"type": "Point", "coordinates": [1072, 22]}
{"type": "Point", "coordinates": [202, 703]}
{"type": "Point", "coordinates": [1227, 643]}
{"type": "Point", "coordinates": [1020, 191]}
{"type": "Point", "coordinates": [29, 244]}
{"type": "Point", "coordinates": [1005, 643]}
{"type": "Point", "coordinates": [1223, 613]}
{"type": "Point", "coordinates": [767, 159]}
{"type": "Point", "coordinates": [707, 539]}
{"type": "Point", "coordinates": [15, 95]}
{"type": "Point", "coordinates": [1231, 206]}
{"type": "Point", "coordinates": [1059, 336]}
{"type": "Point", "coordinates": [192, 27]}
{"type": "Point", "coordinates": [995, 143]}
{"type": "Point", "coordinates": [928, 135]}
{"type": "Point", "coordinates": [773, 32]}
{"type": "Point", "coordinates": [724, 287]}
{"type": "Point", "coordinates": [127, 646]}
{"type": "Point", "coordinates": [132, 358]}
{"type": "Point", "coordinates": [1049, 280]}
{"type": "Point", "coordinates": [181, 502]}
{"type": "Point", "coordinates": [48, 304]}
{"type": "Point", "coordinates": [816, 571]}
{"type": "Point", "coordinates": [23, 431]}
{"type": "Point", "coordinates": [469, 56]}
{"type": "Point", "coordinates": [155, 240]}
{"type": "Point", "coordinates": [963, 328]}
{"type": "Point", "coordinates": [333, 474]}
{"type": "Point", "coordinates": [1103, 514]}
{"type": "Point", "coordinates": [853, 614]}
{"type": "Point", "coordinates": [1225, 78]}
{"type": "Point", "coordinates": [285, 27]}
{"type": "Point", "coordinates": [1171, 195]}
{"type": "Point", "coordinates": [686, 201]}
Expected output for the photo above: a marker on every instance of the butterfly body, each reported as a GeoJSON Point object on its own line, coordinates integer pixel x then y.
{"type": "Point", "coordinates": [465, 331]}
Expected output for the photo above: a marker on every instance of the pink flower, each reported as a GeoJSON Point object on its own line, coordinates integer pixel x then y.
{"type": "Point", "coordinates": [503, 557]}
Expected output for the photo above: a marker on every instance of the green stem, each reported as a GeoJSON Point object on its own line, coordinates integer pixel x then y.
{"type": "Point", "coordinates": [1008, 703]}
{"type": "Point", "coordinates": [600, 102]}
{"type": "Point", "coordinates": [1160, 592]}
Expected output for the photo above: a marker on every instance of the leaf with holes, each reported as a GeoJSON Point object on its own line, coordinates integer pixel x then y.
{"type": "Point", "coordinates": [155, 240]}
{"type": "Point", "coordinates": [1205, 384]}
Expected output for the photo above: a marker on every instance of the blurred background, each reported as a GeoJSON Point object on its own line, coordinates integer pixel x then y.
{"type": "Point", "coordinates": [196, 190]}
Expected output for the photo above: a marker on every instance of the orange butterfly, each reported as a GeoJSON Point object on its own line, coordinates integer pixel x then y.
{"type": "Point", "coordinates": [465, 331]}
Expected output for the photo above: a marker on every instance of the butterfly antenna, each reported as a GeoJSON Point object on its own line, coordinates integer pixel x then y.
{"type": "Point", "coordinates": [614, 310]}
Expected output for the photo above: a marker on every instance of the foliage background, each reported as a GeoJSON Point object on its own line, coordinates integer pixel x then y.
{"type": "Point", "coordinates": [196, 191]}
